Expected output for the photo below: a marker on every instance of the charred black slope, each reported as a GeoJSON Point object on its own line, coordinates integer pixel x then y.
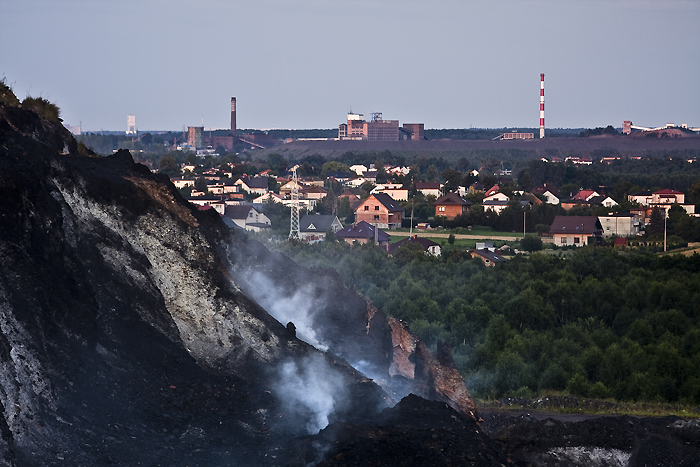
{"type": "Point", "coordinates": [123, 338]}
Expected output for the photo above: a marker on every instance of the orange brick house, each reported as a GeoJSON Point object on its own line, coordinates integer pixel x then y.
{"type": "Point", "coordinates": [381, 211]}
{"type": "Point", "coordinates": [451, 205]}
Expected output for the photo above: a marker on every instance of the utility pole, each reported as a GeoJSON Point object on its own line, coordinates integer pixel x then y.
{"type": "Point", "coordinates": [665, 217]}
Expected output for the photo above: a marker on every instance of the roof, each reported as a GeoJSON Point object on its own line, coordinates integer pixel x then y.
{"type": "Point", "coordinates": [317, 222]}
{"type": "Point", "coordinates": [312, 189]}
{"type": "Point", "coordinates": [338, 175]}
{"type": "Point", "coordinates": [238, 211]}
{"type": "Point", "coordinates": [642, 193]}
{"type": "Point", "coordinates": [256, 182]}
{"type": "Point", "coordinates": [362, 230]}
{"type": "Point", "coordinates": [492, 190]}
{"type": "Point", "coordinates": [388, 202]}
{"type": "Point", "coordinates": [575, 224]}
{"type": "Point", "coordinates": [544, 188]}
{"type": "Point", "coordinates": [427, 185]}
{"type": "Point", "coordinates": [489, 255]}
{"type": "Point", "coordinates": [453, 199]}
{"type": "Point", "coordinates": [425, 243]}
{"type": "Point", "coordinates": [600, 199]}
{"type": "Point", "coordinates": [495, 202]}
{"type": "Point", "coordinates": [348, 194]}
{"type": "Point", "coordinates": [583, 195]}
{"type": "Point", "coordinates": [667, 192]}
{"type": "Point", "coordinates": [619, 214]}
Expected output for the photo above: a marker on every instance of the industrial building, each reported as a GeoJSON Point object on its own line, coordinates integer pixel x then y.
{"type": "Point", "coordinates": [131, 125]}
{"type": "Point", "coordinates": [668, 130]}
{"type": "Point", "coordinates": [378, 129]}
{"type": "Point", "coordinates": [194, 136]}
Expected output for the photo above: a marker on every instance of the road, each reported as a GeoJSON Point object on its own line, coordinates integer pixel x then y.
{"type": "Point", "coordinates": [457, 236]}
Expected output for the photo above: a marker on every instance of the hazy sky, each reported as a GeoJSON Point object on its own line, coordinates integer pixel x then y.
{"type": "Point", "coordinates": [306, 63]}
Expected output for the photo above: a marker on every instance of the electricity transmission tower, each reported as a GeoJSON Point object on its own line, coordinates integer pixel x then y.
{"type": "Point", "coordinates": [294, 220]}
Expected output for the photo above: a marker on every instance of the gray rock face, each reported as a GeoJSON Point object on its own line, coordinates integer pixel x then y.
{"type": "Point", "coordinates": [123, 337]}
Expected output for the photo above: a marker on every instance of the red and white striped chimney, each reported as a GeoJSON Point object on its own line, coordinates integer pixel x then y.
{"type": "Point", "coordinates": [541, 105]}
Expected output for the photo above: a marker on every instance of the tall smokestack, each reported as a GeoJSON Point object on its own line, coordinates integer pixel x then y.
{"type": "Point", "coordinates": [542, 105]}
{"type": "Point", "coordinates": [233, 117]}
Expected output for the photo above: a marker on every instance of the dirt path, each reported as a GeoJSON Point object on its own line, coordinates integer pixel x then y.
{"type": "Point", "coordinates": [457, 236]}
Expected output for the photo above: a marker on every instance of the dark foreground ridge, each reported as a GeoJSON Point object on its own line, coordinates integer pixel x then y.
{"type": "Point", "coordinates": [134, 330]}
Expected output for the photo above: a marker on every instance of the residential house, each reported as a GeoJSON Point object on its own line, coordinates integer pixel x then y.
{"type": "Point", "coordinates": [253, 185]}
{"type": "Point", "coordinates": [429, 246]}
{"type": "Point", "coordinates": [490, 258]}
{"type": "Point", "coordinates": [370, 176]}
{"type": "Point", "coordinates": [641, 197]}
{"type": "Point", "coordinates": [313, 192]}
{"type": "Point", "coordinates": [429, 188]}
{"type": "Point", "coordinates": [246, 217]}
{"type": "Point", "coordinates": [575, 230]}
{"type": "Point", "coordinates": [491, 191]}
{"type": "Point", "coordinates": [362, 232]}
{"type": "Point", "coordinates": [356, 182]}
{"type": "Point", "coordinates": [308, 204]}
{"type": "Point", "coordinates": [579, 160]}
{"type": "Point", "coordinates": [313, 227]}
{"type": "Point", "coordinates": [395, 190]}
{"type": "Point", "coordinates": [584, 195]}
{"type": "Point", "coordinates": [495, 201]}
{"type": "Point", "coordinates": [620, 225]}
{"type": "Point", "coordinates": [183, 182]}
{"type": "Point", "coordinates": [667, 197]}
{"type": "Point", "coordinates": [451, 205]}
{"type": "Point", "coordinates": [358, 169]}
{"type": "Point", "coordinates": [550, 193]}
{"type": "Point", "coordinates": [496, 196]}
{"type": "Point", "coordinates": [209, 200]}
{"type": "Point", "coordinates": [286, 189]}
{"type": "Point", "coordinates": [341, 177]}
{"type": "Point", "coordinates": [476, 187]}
{"type": "Point", "coordinates": [496, 205]}
{"type": "Point", "coordinates": [269, 197]}
{"type": "Point", "coordinates": [380, 210]}
{"type": "Point", "coordinates": [664, 199]}
{"type": "Point", "coordinates": [606, 201]}
{"type": "Point", "coordinates": [310, 181]}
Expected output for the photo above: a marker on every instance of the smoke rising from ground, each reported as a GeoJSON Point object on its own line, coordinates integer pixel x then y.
{"type": "Point", "coordinates": [310, 390]}
{"type": "Point", "coordinates": [297, 308]}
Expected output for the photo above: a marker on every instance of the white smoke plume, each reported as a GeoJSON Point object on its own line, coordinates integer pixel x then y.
{"type": "Point", "coordinates": [297, 308]}
{"type": "Point", "coordinates": [310, 390]}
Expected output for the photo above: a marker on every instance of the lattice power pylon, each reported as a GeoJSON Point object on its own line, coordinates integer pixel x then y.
{"type": "Point", "coordinates": [294, 218]}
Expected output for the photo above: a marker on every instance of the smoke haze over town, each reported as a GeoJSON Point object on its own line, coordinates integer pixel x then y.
{"type": "Point", "coordinates": [305, 64]}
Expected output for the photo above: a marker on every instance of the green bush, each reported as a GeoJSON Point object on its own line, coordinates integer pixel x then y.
{"type": "Point", "coordinates": [7, 97]}
{"type": "Point", "coordinates": [43, 107]}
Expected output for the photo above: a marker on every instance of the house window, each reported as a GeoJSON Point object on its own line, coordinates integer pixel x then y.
{"type": "Point", "coordinates": [376, 217]}
{"type": "Point", "coordinates": [577, 240]}
{"type": "Point", "coordinates": [376, 208]}
{"type": "Point", "coordinates": [366, 208]}
{"type": "Point", "coordinates": [563, 240]}
{"type": "Point", "coordinates": [441, 208]}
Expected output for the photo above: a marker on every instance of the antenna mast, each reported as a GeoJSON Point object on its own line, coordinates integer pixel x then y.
{"type": "Point", "coordinates": [294, 220]}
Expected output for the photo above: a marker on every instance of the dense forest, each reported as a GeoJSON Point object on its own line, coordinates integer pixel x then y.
{"type": "Point", "coordinates": [601, 323]}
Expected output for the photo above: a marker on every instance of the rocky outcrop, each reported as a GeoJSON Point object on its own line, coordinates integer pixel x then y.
{"type": "Point", "coordinates": [132, 328]}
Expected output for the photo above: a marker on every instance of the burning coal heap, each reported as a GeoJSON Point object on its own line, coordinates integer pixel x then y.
{"type": "Point", "coordinates": [137, 330]}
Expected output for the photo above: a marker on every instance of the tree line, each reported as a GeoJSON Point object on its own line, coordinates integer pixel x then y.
{"type": "Point", "coordinates": [599, 324]}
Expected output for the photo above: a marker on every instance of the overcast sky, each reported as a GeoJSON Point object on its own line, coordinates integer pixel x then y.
{"type": "Point", "coordinates": [306, 63]}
